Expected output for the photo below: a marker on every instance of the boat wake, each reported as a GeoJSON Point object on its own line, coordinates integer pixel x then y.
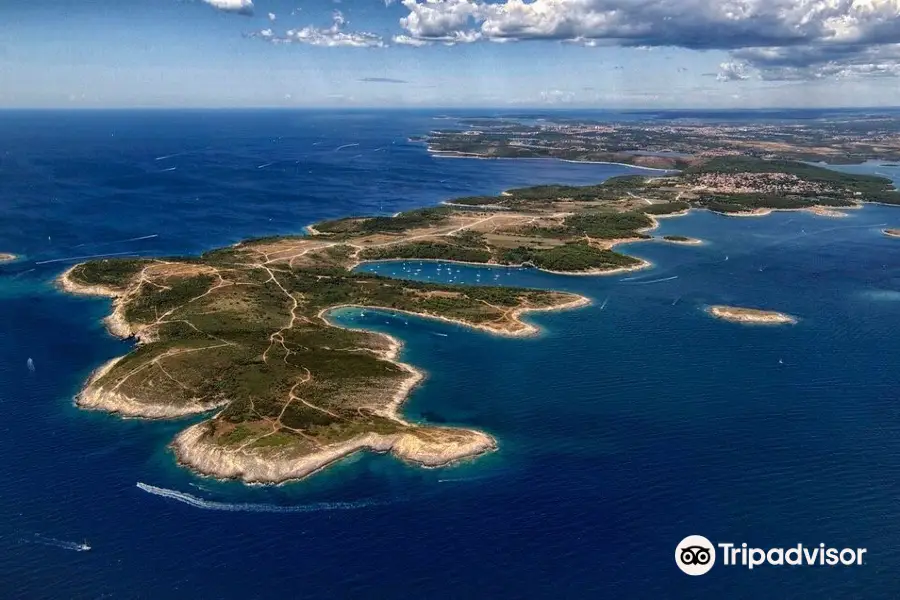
{"type": "Point", "coordinates": [133, 239]}
{"type": "Point", "coordinates": [49, 541]}
{"type": "Point", "coordinates": [75, 258]}
{"type": "Point", "coordinates": [462, 479]}
{"type": "Point", "coordinates": [655, 280]}
{"type": "Point", "coordinates": [247, 507]}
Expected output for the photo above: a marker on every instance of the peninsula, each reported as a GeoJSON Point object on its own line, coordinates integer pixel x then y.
{"type": "Point", "coordinates": [244, 330]}
{"type": "Point", "coordinates": [738, 314]}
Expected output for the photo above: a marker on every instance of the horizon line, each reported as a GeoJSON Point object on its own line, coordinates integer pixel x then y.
{"type": "Point", "coordinates": [432, 108]}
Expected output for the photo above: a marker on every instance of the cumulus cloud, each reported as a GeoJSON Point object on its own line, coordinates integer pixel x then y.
{"type": "Point", "coordinates": [822, 61]}
{"type": "Point", "coordinates": [405, 40]}
{"type": "Point", "coordinates": [778, 38]}
{"type": "Point", "coordinates": [440, 20]}
{"type": "Point", "coordinates": [733, 71]}
{"type": "Point", "coordinates": [243, 7]}
{"type": "Point", "coordinates": [330, 37]}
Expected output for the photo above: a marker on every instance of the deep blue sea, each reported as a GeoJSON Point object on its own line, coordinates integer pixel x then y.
{"type": "Point", "coordinates": [624, 427]}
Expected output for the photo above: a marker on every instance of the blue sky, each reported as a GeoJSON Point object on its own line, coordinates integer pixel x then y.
{"type": "Point", "coordinates": [449, 53]}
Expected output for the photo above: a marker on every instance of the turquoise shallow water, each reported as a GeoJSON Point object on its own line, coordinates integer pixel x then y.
{"type": "Point", "coordinates": [623, 427]}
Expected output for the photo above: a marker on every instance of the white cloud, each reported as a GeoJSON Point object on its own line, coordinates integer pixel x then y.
{"type": "Point", "coordinates": [405, 40]}
{"type": "Point", "coordinates": [805, 34]}
{"type": "Point", "coordinates": [244, 7]}
{"type": "Point", "coordinates": [439, 20]}
{"type": "Point", "coordinates": [733, 71]}
{"type": "Point", "coordinates": [330, 37]}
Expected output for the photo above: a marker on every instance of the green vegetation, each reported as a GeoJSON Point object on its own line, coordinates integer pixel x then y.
{"type": "Point", "coordinates": [667, 208]}
{"type": "Point", "coordinates": [574, 257]}
{"type": "Point", "coordinates": [676, 238]}
{"type": "Point", "coordinates": [229, 329]}
{"type": "Point", "coordinates": [109, 273]}
{"type": "Point", "coordinates": [424, 217]}
{"type": "Point", "coordinates": [833, 188]}
{"type": "Point", "coordinates": [429, 251]}
{"type": "Point", "coordinates": [807, 172]}
{"type": "Point", "coordinates": [608, 225]}
{"type": "Point", "coordinates": [480, 200]}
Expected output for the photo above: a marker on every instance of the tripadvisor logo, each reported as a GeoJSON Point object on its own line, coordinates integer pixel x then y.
{"type": "Point", "coordinates": [696, 555]}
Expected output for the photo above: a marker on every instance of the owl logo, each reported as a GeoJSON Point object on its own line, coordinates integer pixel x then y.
{"type": "Point", "coordinates": [695, 555]}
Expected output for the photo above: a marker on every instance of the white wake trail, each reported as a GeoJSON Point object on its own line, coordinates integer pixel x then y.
{"type": "Point", "coordinates": [655, 280]}
{"type": "Point", "coordinates": [49, 541]}
{"type": "Point", "coordinates": [196, 502]}
{"type": "Point", "coordinates": [72, 258]}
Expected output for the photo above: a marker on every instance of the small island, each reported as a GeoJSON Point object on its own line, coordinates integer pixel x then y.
{"type": "Point", "coordinates": [680, 239]}
{"type": "Point", "coordinates": [244, 332]}
{"type": "Point", "coordinates": [891, 232]}
{"type": "Point", "coordinates": [7, 257]}
{"type": "Point", "coordinates": [737, 314]}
